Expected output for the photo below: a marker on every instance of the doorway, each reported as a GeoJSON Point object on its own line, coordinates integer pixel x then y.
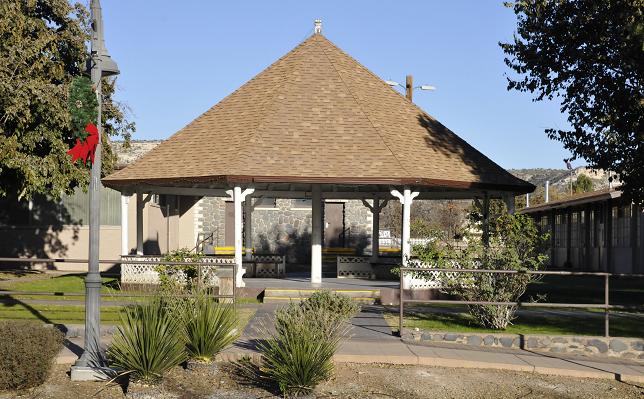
{"type": "Point", "coordinates": [334, 234]}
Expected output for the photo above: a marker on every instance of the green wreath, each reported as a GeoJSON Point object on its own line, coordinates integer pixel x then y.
{"type": "Point", "coordinates": [82, 104]}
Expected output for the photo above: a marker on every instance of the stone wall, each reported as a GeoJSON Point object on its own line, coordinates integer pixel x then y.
{"type": "Point", "coordinates": [286, 228]}
{"type": "Point", "coordinates": [625, 348]}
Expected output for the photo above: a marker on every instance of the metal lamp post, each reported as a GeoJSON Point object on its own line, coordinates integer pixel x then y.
{"type": "Point", "coordinates": [91, 364]}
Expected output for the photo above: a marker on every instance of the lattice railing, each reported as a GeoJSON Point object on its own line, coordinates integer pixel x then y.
{"type": "Point", "coordinates": [147, 274]}
{"type": "Point", "coordinates": [355, 267]}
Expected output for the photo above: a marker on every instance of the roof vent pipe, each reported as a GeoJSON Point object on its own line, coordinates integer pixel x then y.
{"type": "Point", "coordinates": [318, 26]}
{"type": "Point", "coordinates": [547, 194]}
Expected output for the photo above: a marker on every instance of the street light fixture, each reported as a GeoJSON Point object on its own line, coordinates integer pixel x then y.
{"type": "Point", "coordinates": [91, 364]}
{"type": "Point", "coordinates": [409, 87]}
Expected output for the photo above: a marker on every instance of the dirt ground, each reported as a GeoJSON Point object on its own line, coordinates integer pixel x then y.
{"type": "Point", "coordinates": [350, 381]}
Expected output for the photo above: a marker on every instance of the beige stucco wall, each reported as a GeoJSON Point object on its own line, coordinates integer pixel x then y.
{"type": "Point", "coordinates": [72, 242]}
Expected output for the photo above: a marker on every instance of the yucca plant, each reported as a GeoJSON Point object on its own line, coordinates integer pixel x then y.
{"type": "Point", "coordinates": [298, 354]}
{"type": "Point", "coordinates": [148, 342]}
{"type": "Point", "coordinates": [209, 328]}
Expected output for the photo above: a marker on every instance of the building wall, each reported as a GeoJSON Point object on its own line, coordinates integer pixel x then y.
{"type": "Point", "coordinates": [600, 236]}
{"type": "Point", "coordinates": [55, 237]}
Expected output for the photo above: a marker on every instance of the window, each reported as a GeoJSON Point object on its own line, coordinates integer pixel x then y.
{"type": "Point", "coordinates": [592, 227]}
{"type": "Point", "coordinates": [75, 208]}
{"type": "Point", "coordinates": [574, 230]}
{"type": "Point", "coordinates": [621, 226]}
{"type": "Point", "coordinates": [560, 231]}
{"type": "Point", "coordinates": [266, 203]}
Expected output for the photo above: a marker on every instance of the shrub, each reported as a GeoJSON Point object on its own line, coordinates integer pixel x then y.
{"type": "Point", "coordinates": [209, 327]}
{"type": "Point", "coordinates": [297, 356]}
{"type": "Point", "coordinates": [514, 244]}
{"type": "Point", "coordinates": [341, 305]}
{"type": "Point", "coordinates": [185, 276]}
{"type": "Point", "coordinates": [149, 341]}
{"type": "Point", "coordinates": [27, 352]}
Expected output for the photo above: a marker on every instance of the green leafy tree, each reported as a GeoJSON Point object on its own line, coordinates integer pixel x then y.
{"type": "Point", "coordinates": [515, 244]}
{"type": "Point", "coordinates": [583, 184]}
{"type": "Point", "coordinates": [590, 55]}
{"type": "Point", "coordinates": [43, 46]}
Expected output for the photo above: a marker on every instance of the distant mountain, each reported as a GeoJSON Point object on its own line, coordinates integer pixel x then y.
{"type": "Point", "coordinates": [560, 178]}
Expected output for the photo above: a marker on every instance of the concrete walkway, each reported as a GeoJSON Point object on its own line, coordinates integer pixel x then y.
{"type": "Point", "coordinates": [370, 341]}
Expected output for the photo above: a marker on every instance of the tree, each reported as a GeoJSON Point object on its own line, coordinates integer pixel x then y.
{"type": "Point", "coordinates": [583, 184]}
{"type": "Point", "coordinates": [514, 244]}
{"type": "Point", "coordinates": [590, 55]}
{"type": "Point", "coordinates": [42, 48]}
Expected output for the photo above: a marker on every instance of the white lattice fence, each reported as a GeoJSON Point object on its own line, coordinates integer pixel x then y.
{"type": "Point", "coordinates": [270, 266]}
{"type": "Point", "coordinates": [132, 273]}
{"type": "Point", "coordinates": [355, 267]}
{"type": "Point", "coordinates": [423, 279]}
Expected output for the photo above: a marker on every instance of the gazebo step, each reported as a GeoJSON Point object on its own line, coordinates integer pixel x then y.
{"type": "Point", "coordinates": [284, 299]}
{"type": "Point", "coordinates": [296, 295]}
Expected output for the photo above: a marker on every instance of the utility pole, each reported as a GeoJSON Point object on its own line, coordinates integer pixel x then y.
{"type": "Point", "coordinates": [91, 364]}
{"type": "Point", "coordinates": [409, 88]}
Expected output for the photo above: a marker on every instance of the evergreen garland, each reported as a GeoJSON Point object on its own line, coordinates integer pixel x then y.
{"type": "Point", "coordinates": [82, 104]}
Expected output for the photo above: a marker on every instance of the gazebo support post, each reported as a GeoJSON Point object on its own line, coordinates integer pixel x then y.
{"type": "Point", "coordinates": [486, 220]}
{"type": "Point", "coordinates": [509, 203]}
{"type": "Point", "coordinates": [406, 198]}
{"type": "Point", "coordinates": [238, 197]}
{"type": "Point", "coordinates": [316, 234]}
{"type": "Point", "coordinates": [375, 209]}
{"type": "Point", "coordinates": [139, 223]}
{"type": "Point", "coordinates": [125, 213]}
{"type": "Point", "coordinates": [140, 205]}
{"type": "Point", "coordinates": [248, 229]}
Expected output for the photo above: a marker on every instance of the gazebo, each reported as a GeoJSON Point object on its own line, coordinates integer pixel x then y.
{"type": "Point", "coordinates": [317, 125]}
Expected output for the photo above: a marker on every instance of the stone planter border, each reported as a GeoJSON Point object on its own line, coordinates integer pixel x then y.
{"type": "Point", "coordinates": [616, 347]}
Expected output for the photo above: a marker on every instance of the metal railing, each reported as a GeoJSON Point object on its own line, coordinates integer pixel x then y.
{"type": "Point", "coordinates": [606, 305]}
{"type": "Point", "coordinates": [199, 265]}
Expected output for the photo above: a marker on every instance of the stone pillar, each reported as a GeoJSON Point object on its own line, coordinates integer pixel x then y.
{"type": "Point", "coordinates": [125, 246]}
{"type": "Point", "coordinates": [139, 223]}
{"type": "Point", "coordinates": [316, 235]}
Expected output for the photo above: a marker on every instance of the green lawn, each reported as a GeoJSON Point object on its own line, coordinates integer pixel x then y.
{"type": "Point", "coordinates": [528, 322]}
{"type": "Point", "coordinates": [70, 283]}
{"type": "Point", "coordinates": [587, 289]}
{"type": "Point", "coordinates": [65, 314]}
{"type": "Point", "coordinates": [69, 314]}
{"type": "Point", "coordinates": [60, 312]}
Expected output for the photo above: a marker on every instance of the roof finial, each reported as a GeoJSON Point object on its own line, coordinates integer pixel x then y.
{"type": "Point", "coordinates": [318, 26]}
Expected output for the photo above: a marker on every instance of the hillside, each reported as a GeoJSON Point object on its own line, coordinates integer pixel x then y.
{"type": "Point", "coordinates": [560, 178]}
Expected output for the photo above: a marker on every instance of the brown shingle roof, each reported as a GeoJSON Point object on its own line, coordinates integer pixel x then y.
{"type": "Point", "coordinates": [317, 115]}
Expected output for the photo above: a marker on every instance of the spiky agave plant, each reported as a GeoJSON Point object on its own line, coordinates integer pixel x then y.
{"type": "Point", "coordinates": [209, 328]}
{"type": "Point", "coordinates": [148, 342]}
{"type": "Point", "coordinates": [298, 354]}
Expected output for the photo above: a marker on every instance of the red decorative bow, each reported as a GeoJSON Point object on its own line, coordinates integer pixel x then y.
{"type": "Point", "coordinates": [87, 147]}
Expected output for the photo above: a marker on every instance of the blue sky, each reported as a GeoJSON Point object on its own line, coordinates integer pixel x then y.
{"type": "Point", "coordinates": [179, 58]}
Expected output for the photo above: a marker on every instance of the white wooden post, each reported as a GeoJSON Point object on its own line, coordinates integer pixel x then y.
{"type": "Point", "coordinates": [139, 223]}
{"type": "Point", "coordinates": [238, 197]}
{"type": "Point", "coordinates": [316, 235]}
{"type": "Point", "coordinates": [125, 246]}
{"type": "Point", "coordinates": [406, 199]}
{"type": "Point", "coordinates": [248, 228]}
